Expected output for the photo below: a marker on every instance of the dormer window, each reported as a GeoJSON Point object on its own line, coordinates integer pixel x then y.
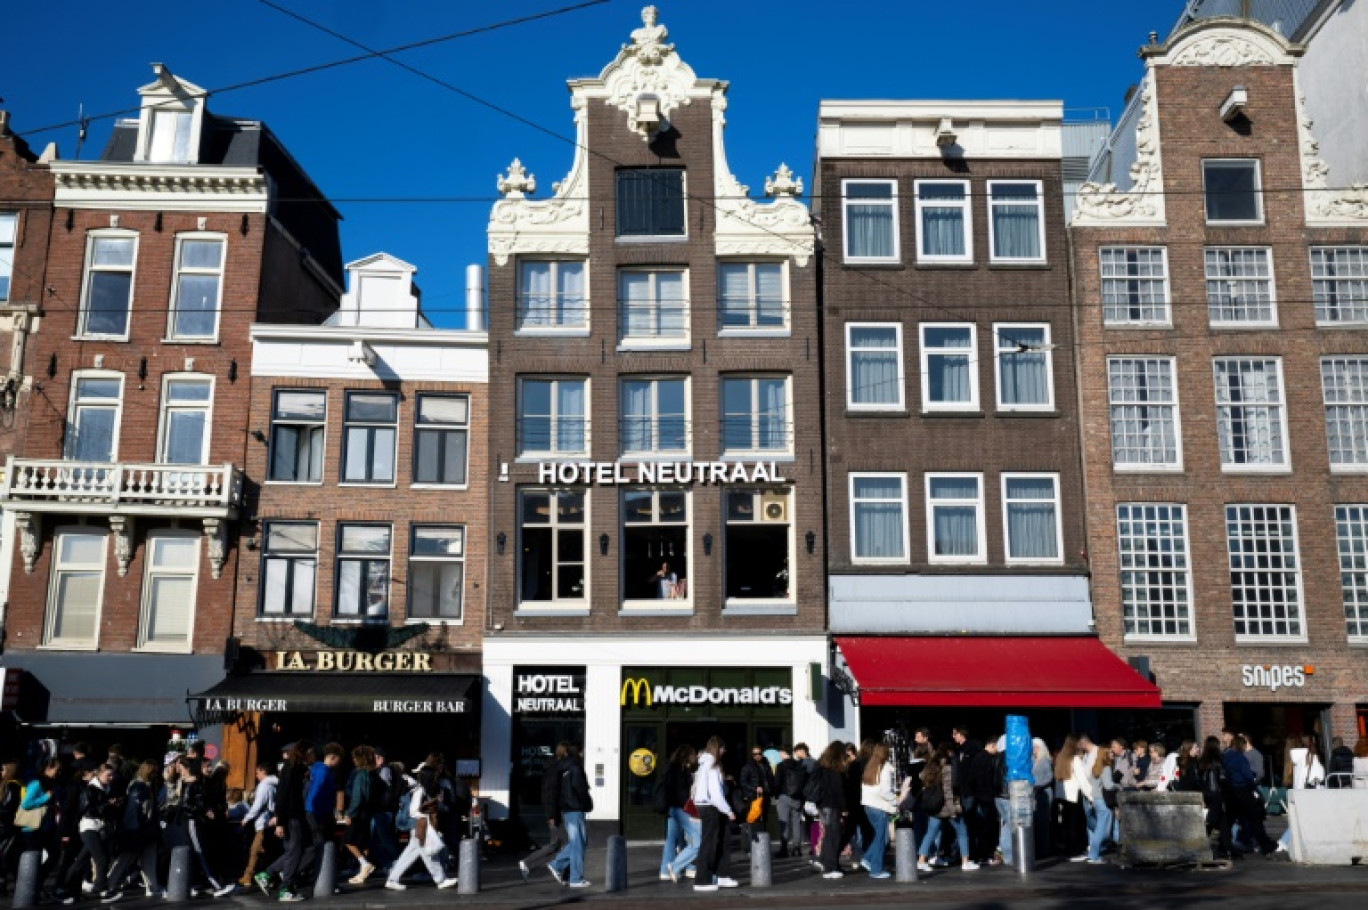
{"type": "Point", "coordinates": [170, 141]}
{"type": "Point", "coordinates": [171, 120]}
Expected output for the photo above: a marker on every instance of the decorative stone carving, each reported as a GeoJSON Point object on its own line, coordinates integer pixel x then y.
{"type": "Point", "coordinates": [1325, 205]}
{"type": "Point", "coordinates": [214, 533]}
{"type": "Point", "coordinates": [1143, 203]}
{"type": "Point", "coordinates": [29, 525]}
{"type": "Point", "coordinates": [783, 184]}
{"type": "Point", "coordinates": [518, 183]}
{"type": "Point", "coordinates": [560, 224]}
{"type": "Point", "coordinates": [1223, 50]}
{"type": "Point", "coordinates": [121, 529]}
{"type": "Point", "coordinates": [648, 66]}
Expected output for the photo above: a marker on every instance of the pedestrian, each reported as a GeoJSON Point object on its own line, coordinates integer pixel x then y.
{"type": "Point", "coordinates": [257, 820]}
{"type": "Point", "coordinates": [11, 796]}
{"type": "Point", "coordinates": [978, 792]}
{"type": "Point", "coordinates": [137, 838]}
{"type": "Point", "coordinates": [1211, 775]}
{"type": "Point", "coordinates": [1042, 777]}
{"type": "Point", "coordinates": [827, 789]}
{"type": "Point", "coordinates": [198, 813]}
{"type": "Point", "coordinates": [710, 799]}
{"type": "Point", "coordinates": [1341, 771]}
{"type": "Point", "coordinates": [1243, 801]}
{"type": "Point", "coordinates": [574, 802]}
{"type": "Point", "coordinates": [1069, 819]}
{"type": "Point", "coordinates": [880, 801]}
{"type": "Point", "coordinates": [70, 797]}
{"type": "Point", "coordinates": [425, 842]}
{"type": "Point", "coordinates": [1302, 768]}
{"type": "Point", "coordinates": [757, 783]}
{"type": "Point", "coordinates": [550, 797]}
{"type": "Point", "coordinates": [221, 852]}
{"type": "Point", "coordinates": [683, 832]}
{"type": "Point", "coordinates": [359, 810]}
{"type": "Point", "coordinates": [321, 802]}
{"type": "Point", "coordinates": [1096, 769]}
{"type": "Point", "coordinates": [942, 804]}
{"type": "Point", "coordinates": [384, 848]}
{"type": "Point", "coordinates": [95, 810]}
{"type": "Point", "coordinates": [789, 779]}
{"type": "Point", "coordinates": [291, 824]}
{"type": "Point", "coordinates": [1002, 803]}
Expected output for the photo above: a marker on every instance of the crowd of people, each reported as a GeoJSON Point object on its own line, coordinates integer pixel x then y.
{"type": "Point", "coordinates": [106, 829]}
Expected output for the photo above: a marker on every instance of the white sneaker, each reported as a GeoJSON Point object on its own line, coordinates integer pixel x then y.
{"type": "Point", "coordinates": [665, 877]}
{"type": "Point", "coordinates": [87, 887]}
{"type": "Point", "coordinates": [924, 867]}
{"type": "Point", "coordinates": [582, 883]}
{"type": "Point", "coordinates": [970, 866]}
{"type": "Point", "coordinates": [835, 873]}
{"type": "Point", "coordinates": [705, 887]}
{"type": "Point", "coordinates": [362, 874]}
{"type": "Point", "coordinates": [560, 879]}
{"type": "Point", "coordinates": [447, 883]}
{"type": "Point", "coordinates": [690, 873]}
{"type": "Point", "coordinates": [1080, 858]}
{"type": "Point", "coordinates": [395, 886]}
{"type": "Point", "coordinates": [728, 883]}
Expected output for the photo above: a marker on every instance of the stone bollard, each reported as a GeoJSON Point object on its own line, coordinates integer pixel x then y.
{"type": "Point", "coordinates": [326, 881]}
{"type": "Point", "coordinates": [468, 867]}
{"type": "Point", "coordinates": [615, 864]}
{"type": "Point", "coordinates": [905, 854]}
{"type": "Point", "coordinates": [762, 859]}
{"type": "Point", "coordinates": [178, 879]}
{"type": "Point", "coordinates": [26, 883]}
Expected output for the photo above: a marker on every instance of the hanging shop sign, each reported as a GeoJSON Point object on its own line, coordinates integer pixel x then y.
{"type": "Point", "coordinates": [548, 691]}
{"type": "Point", "coordinates": [613, 473]}
{"type": "Point", "coordinates": [640, 691]}
{"type": "Point", "coordinates": [353, 661]}
{"type": "Point", "coordinates": [1274, 676]}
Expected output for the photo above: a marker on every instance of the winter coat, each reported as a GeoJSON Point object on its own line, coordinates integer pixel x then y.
{"type": "Point", "coordinates": [757, 775]}
{"type": "Point", "coordinates": [677, 784]}
{"type": "Point", "coordinates": [574, 787]}
{"type": "Point", "coordinates": [881, 795]}
{"type": "Point", "coordinates": [707, 785]}
{"type": "Point", "coordinates": [290, 792]}
{"type": "Point", "coordinates": [1341, 763]}
{"type": "Point", "coordinates": [952, 807]}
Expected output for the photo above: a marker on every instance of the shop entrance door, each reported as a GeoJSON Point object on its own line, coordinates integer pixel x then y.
{"type": "Point", "coordinates": [1269, 725]}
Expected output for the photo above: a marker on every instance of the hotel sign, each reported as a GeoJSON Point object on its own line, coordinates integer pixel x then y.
{"type": "Point", "coordinates": [613, 473]}
{"type": "Point", "coordinates": [549, 691]}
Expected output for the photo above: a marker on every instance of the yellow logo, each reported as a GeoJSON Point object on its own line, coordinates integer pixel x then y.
{"type": "Point", "coordinates": [637, 687]}
{"type": "Point", "coordinates": [642, 762]}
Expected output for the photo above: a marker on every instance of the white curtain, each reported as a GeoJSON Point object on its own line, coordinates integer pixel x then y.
{"type": "Point", "coordinates": [570, 414]}
{"type": "Point", "coordinates": [1024, 375]}
{"type": "Point", "coordinates": [878, 518]}
{"type": "Point", "coordinates": [955, 527]}
{"type": "Point", "coordinates": [1031, 529]}
{"type": "Point", "coordinates": [871, 230]}
{"type": "Point", "coordinates": [1249, 423]}
{"type": "Point", "coordinates": [948, 375]}
{"type": "Point", "coordinates": [773, 420]}
{"type": "Point", "coordinates": [1016, 225]}
{"type": "Point", "coordinates": [573, 309]}
{"type": "Point", "coordinates": [733, 285]}
{"type": "Point", "coordinates": [874, 366]}
{"type": "Point", "coordinates": [536, 294]}
{"type": "Point", "coordinates": [671, 303]}
{"type": "Point", "coordinates": [636, 417]}
{"type": "Point", "coordinates": [636, 304]}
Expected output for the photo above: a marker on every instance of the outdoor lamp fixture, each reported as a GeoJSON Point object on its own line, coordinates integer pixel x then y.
{"type": "Point", "coordinates": [707, 544]}
{"type": "Point", "coordinates": [811, 538]}
{"type": "Point", "coordinates": [603, 544]}
{"type": "Point", "coordinates": [500, 540]}
{"type": "Point", "coordinates": [259, 436]}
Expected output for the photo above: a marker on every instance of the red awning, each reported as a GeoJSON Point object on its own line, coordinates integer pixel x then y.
{"type": "Point", "coordinates": [1006, 672]}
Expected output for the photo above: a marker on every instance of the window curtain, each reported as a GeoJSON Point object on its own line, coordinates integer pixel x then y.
{"type": "Point", "coordinates": [871, 230]}
{"type": "Point", "coordinates": [1031, 529]}
{"type": "Point", "coordinates": [878, 525]}
{"type": "Point", "coordinates": [942, 231]}
{"type": "Point", "coordinates": [949, 375]}
{"type": "Point", "coordinates": [874, 373]}
{"type": "Point", "coordinates": [734, 286]}
{"type": "Point", "coordinates": [570, 414]}
{"type": "Point", "coordinates": [92, 435]}
{"type": "Point", "coordinates": [769, 293]}
{"type": "Point", "coordinates": [1024, 374]}
{"type": "Point", "coordinates": [1016, 225]}
{"type": "Point", "coordinates": [572, 305]}
{"type": "Point", "coordinates": [671, 304]}
{"type": "Point", "coordinates": [955, 527]}
{"type": "Point", "coordinates": [536, 294]}
{"type": "Point", "coordinates": [636, 417]}
{"type": "Point", "coordinates": [773, 422]}
{"type": "Point", "coordinates": [1250, 429]}
{"type": "Point", "coordinates": [636, 304]}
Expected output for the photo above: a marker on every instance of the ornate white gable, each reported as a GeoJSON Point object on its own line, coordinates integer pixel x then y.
{"type": "Point", "coordinates": [1326, 205]}
{"type": "Point", "coordinates": [1102, 204]}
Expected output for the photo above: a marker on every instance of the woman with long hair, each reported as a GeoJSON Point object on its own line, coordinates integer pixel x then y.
{"type": "Point", "coordinates": [358, 812]}
{"type": "Point", "coordinates": [831, 806]}
{"type": "Point", "coordinates": [683, 832]}
{"type": "Point", "coordinates": [1302, 768]}
{"type": "Point", "coordinates": [1212, 780]}
{"type": "Point", "coordinates": [137, 838]}
{"type": "Point", "coordinates": [710, 799]}
{"type": "Point", "coordinates": [942, 805]}
{"type": "Point", "coordinates": [880, 801]}
{"type": "Point", "coordinates": [424, 843]}
{"type": "Point", "coordinates": [1069, 818]}
{"type": "Point", "coordinates": [1098, 769]}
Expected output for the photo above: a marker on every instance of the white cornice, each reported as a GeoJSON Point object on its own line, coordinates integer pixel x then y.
{"type": "Point", "coordinates": [159, 187]}
{"type": "Point", "coordinates": [867, 110]}
{"type": "Point", "coordinates": [917, 129]}
{"type": "Point", "coordinates": [405, 355]}
{"type": "Point", "coordinates": [460, 338]}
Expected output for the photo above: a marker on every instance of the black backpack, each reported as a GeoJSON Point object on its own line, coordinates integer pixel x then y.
{"type": "Point", "coordinates": [795, 781]}
{"type": "Point", "coordinates": [932, 799]}
{"type": "Point", "coordinates": [660, 796]}
{"type": "Point", "coordinates": [814, 788]}
{"type": "Point", "coordinates": [378, 797]}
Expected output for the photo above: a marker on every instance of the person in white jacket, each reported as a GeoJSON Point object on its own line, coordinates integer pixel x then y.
{"type": "Point", "coordinates": [710, 799]}
{"type": "Point", "coordinates": [1303, 768]}
{"type": "Point", "coordinates": [263, 808]}
{"type": "Point", "coordinates": [880, 800]}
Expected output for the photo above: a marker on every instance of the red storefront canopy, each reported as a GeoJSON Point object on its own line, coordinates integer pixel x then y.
{"type": "Point", "coordinates": [1006, 672]}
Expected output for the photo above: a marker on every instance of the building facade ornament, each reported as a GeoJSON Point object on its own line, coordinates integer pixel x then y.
{"type": "Point", "coordinates": [783, 183]}
{"type": "Point", "coordinates": [1105, 204]}
{"type": "Point", "coordinates": [1326, 206]}
{"type": "Point", "coordinates": [215, 533]}
{"type": "Point", "coordinates": [1223, 49]}
{"type": "Point", "coordinates": [648, 66]}
{"type": "Point", "coordinates": [29, 526]}
{"type": "Point", "coordinates": [517, 183]}
{"type": "Point", "coordinates": [519, 225]}
{"type": "Point", "coordinates": [121, 529]}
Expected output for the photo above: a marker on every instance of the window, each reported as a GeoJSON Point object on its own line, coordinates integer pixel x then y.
{"type": "Point", "coordinates": [1030, 512]}
{"type": "Point", "coordinates": [650, 202]}
{"type": "Point", "coordinates": [1344, 383]}
{"type": "Point", "coordinates": [552, 418]}
{"type": "Point", "coordinates": [1016, 226]}
{"type": "Point", "coordinates": [874, 366]}
{"type": "Point", "coordinates": [9, 226]}
{"type": "Point", "coordinates": [1135, 287]}
{"type": "Point", "coordinates": [436, 572]}
{"type": "Point", "coordinates": [196, 292]}
{"type": "Point", "coordinates": [363, 571]}
{"type": "Point", "coordinates": [289, 569]}
{"type": "Point", "coordinates": [551, 295]}
{"type": "Point", "coordinates": [185, 421]}
{"type": "Point", "coordinates": [441, 438]}
{"type": "Point", "coordinates": [1239, 284]}
{"type": "Point", "coordinates": [755, 415]}
{"type": "Point", "coordinates": [751, 297]}
{"type": "Point", "coordinates": [552, 547]}
{"type": "Point", "coordinates": [653, 306]}
{"type": "Point", "coordinates": [1265, 572]}
{"type": "Point", "coordinates": [759, 541]}
{"type": "Point", "coordinates": [368, 436]}
{"type": "Point", "coordinates": [108, 295]}
{"type": "Point", "coordinates": [655, 416]}
{"type": "Point", "coordinates": [954, 517]}
{"type": "Point", "coordinates": [297, 430]}
{"type": "Point", "coordinates": [1143, 395]}
{"type": "Point", "coordinates": [949, 367]}
{"type": "Point", "coordinates": [655, 545]}
{"type": "Point", "coordinates": [168, 610]}
{"type": "Point", "coordinates": [1231, 187]}
{"type": "Point", "coordinates": [1339, 283]}
{"type": "Point", "coordinates": [1251, 422]}
{"type": "Point", "coordinates": [870, 210]}
{"type": "Point", "coordinates": [1025, 370]}
{"type": "Point", "coordinates": [944, 229]}
{"type": "Point", "coordinates": [1156, 584]}
{"type": "Point", "coordinates": [92, 432]}
{"type": "Point", "coordinates": [77, 591]}
{"type": "Point", "coordinates": [170, 142]}
{"type": "Point", "coordinates": [878, 518]}
{"type": "Point", "coordinates": [1351, 533]}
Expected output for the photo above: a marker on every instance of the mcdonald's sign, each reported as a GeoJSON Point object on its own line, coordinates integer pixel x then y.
{"type": "Point", "coordinates": [639, 688]}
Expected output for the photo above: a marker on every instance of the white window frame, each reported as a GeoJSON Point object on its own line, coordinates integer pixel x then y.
{"type": "Point", "coordinates": [7, 248]}
{"type": "Point", "coordinates": [442, 428]}
{"type": "Point", "coordinates": [75, 402]}
{"type": "Point", "coordinates": [557, 302]}
{"type": "Point", "coordinates": [851, 404]}
{"type": "Point", "coordinates": [1040, 223]}
{"type": "Point", "coordinates": [415, 559]}
{"type": "Point", "coordinates": [657, 605]}
{"type": "Point", "coordinates": [348, 425]}
{"type": "Point", "coordinates": [530, 454]}
{"type": "Point", "coordinates": [289, 557]}
{"type": "Point", "coordinates": [1234, 467]}
{"type": "Point", "coordinates": [728, 523]}
{"type": "Point", "coordinates": [180, 269]}
{"type": "Point", "coordinates": [1355, 409]}
{"type": "Point", "coordinates": [903, 507]}
{"type": "Point", "coordinates": [754, 380]}
{"type": "Point", "coordinates": [1180, 556]}
{"type": "Point", "coordinates": [90, 268]}
{"type": "Point", "coordinates": [1256, 637]}
{"type": "Point", "coordinates": [654, 380]}
{"type": "Point", "coordinates": [926, 353]}
{"type": "Point", "coordinates": [1046, 350]}
{"type": "Point", "coordinates": [1173, 406]}
{"type": "Point", "coordinates": [555, 605]}
{"type": "Point", "coordinates": [340, 557]}
{"type": "Point", "coordinates": [980, 523]}
{"type": "Point", "coordinates": [167, 407]}
{"type": "Point", "coordinates": [657, 341]}
{"type": "Point", "coordinates": [754, 329]}
{"type": "Point", "coordinates": [57, 568]}
{"type": "Point", "coordinates": [845, 221]}
{"type": "Point", "coordinates": [144, 613]}
{"type": "Point", "coordinates": [1209, 279]}
{"type": "Point", "coordinates": [1057, 502]}
{"type": "Point", "coordinates": [1353, 567]}
{"type": "Point", "coordinates": [966, 210]}
{"type": "Point", "coordinates": [297, 422]}
{"type": "Point", "coordinates": [1321, 283]}
{"type": "Point", "coordinates": [1162, 282]}
{"type": "Point", "coordinates": [1258, 190]}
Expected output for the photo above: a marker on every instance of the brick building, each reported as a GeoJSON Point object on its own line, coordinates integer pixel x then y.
{"type": "Point", "coordinates": [127, 489]}
{"type": "Point", "coordinates": [361, 598]}
{"type": "Point", "coordinates": [1221, 305]}
{"type": "Point", "coordinates": [656, 555]}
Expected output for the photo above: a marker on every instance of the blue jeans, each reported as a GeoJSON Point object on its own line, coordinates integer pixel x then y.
{"type": "Point", "coordinates": [691, 834]}
{"type": "Point", "coordinates": [1101, 828]}
{"type": "Point", "coordinates": [572, 856]}
{"type": "Point", "coordinates": [1004, 810]}
{"type": "Point", "coordinates": [874, 853]}
{"type": "Point", "coordinates": [932, 839]}
{"type": "Point", "coordinates": [673, 836]}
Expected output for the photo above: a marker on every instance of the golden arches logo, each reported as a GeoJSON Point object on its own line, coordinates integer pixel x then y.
{"type": "Point", "coordinates": [637, 687]}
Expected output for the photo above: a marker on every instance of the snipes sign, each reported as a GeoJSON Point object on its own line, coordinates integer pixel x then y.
{"type": "Point", "coordinates": [641, 692]}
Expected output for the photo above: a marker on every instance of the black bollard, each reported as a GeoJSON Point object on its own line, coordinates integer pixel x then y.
{"type": "Point", "coordinates": [468, 867]}
{"type": "Point", "coordinates": [26, 884]}
{"type": "Point", "coordinates": [178, 879]}
{"type": "Point", "coordinates": [762, 856]}
{"type": "Point", "coordinates": [326, 881]}
{"type": "Point", "coordinates": [615, 864]}
{"type": "Point", "coordinates": [905, 854]}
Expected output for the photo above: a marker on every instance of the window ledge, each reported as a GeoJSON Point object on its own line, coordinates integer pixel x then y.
{"type": "Point", "coordinates": [652, 238]}
{"type": "Point", "coordinates": [1043, 413]}
{"type": "Point", "coordinates": [294, 483]}
{"type": "Point", "coordinates": [759, 608]}
{"type": "Point", "coordinates": [1242, 327]}
{"type": "Point", "coordinates": [754, 333]}
{"type": "Point", "coordinates": [303, 617]}
{"type": "Point", "coordinates": [198, 341]}
{"type": "Point", "coordinates": [650, 347]}
{"type": "Point", "coordinates": [455, 487]}
{"type": "Point", "coordinates": [1148, 469]}
{"type": "Point", "coordinates": [523, 612]}
{"type": "Point", "coordinates": [641, 610]}
{"type": "Point", "coordinates": [67, 647]}
{"type": "Point", "coordinates": [741, 457]}
{"type": "Point", "coordinates": [891, 264]}
{"type": "Point", "coordinates": [576, 332]}
{"type": "Point", "coordinates": [1033, 563]}
{"type": "Point", "coordinates": [881, 563]}
{"type": "Point", "coordinates": [1349, 469]}
{"type": "Point", "coordinates": [971, 414]}
{"type": "Point", "coordinates": [153, 649]}
{"type": "Point", "coordinates": [1160, 639]}
{"type": "Point", "coordinates": [419, 621]}
{"type": "Point", "coordinates": [367, 621]}
{"type": "Point", "coordinates": [876, 412]}
{"type": "Point", "coordinates": [946, 264]}
{"type": "Point", "coordinates": [1257, 471]}
{"type": "Point", "coordinates": [1347, 324]}
{"type": "Point", "coordinates": [1136, 326]}
{"type": "Point", "coordinates": [374, 485]}
{"type": "Point", "coordinates": [1024, 264]}
{"type": "Point", "coordinates": [539, 457]}
{"type": "Point", "coordinates": [114, 338]}
{"type": "Point", "coordinates": [1271, 640]}
{"type": "Point", "coordinates": [653, 457]}
{"type": "Point", "coordinates": [1225, 224]}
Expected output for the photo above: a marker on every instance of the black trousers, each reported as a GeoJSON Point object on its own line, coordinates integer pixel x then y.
{"type": "Point", "coordinates": [298, 855]}
{"type": "Point", "coordinates": [543, 855]}
{"type": "Point", "coordinates": [144, 854]}
{"type": "Point", "coordinates": [1244, 807]}
{"type": "Point", "coordinates": [713, 856]}
{"type": "Point", "coordinates": [92, 851]}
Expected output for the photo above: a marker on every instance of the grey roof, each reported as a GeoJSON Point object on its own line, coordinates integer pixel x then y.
{"type": "Point", "coordinates": [1287, 17]}
{"type": "Point", "coordinates": [227, 141]}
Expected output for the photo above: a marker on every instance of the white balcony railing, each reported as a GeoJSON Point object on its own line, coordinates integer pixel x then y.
{"type": "Point", "coordinates": [56, 485]}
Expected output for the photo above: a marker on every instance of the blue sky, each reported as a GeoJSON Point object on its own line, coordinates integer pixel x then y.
{"type": "Point", "coordinates": [373, 131]}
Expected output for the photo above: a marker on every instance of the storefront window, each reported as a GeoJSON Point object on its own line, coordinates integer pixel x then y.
{"type": "Point", "coordinates": [655, 545]}
{"type": "Point", "coordinates": [759, 541]}
{"type": "Point", "coordinates": [552, 547]}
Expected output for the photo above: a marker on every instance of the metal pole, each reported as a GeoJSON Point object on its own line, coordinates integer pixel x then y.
{"type": "Point", "coordinates": [468, 867]}
{"type": "Point", "coordinates": [762, 859]}
{"type": "Point", "coordinates": [26, 884]}
{"type": "Point", "coordinates": [615, 863]}
{"type": "Point", "coordinates": [178, 880]}
{"type": "Point", "coordinates": [905, 853]}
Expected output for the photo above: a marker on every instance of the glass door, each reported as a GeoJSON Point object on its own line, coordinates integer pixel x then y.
{"type": "Point", "coordinates": [642, 758]}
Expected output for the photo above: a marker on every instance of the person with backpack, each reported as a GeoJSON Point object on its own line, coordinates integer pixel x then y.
{"type": "Point", "coordinates": [756, 783]}
{"type": "Point", "coordinates": [137, 839]}
{"type": "Point", "coordinates": [384, 848]}
{"type": "Point", "coordinates": [941, 804]}
{"type": "Point", "coordinates": [291, 825]}
{"type": "Point", "coordinates": [1211, 778]}
{"type": "Point", "coordinates": [550, 797]}
{"type": "Point", "coordinates": [574, 803]}
{"type": "Point", "coordinates": [95, 811]}
{"type": "Point", "coordinates": [789, 779]}
{"type": "Point", "coordinates": [825, 789]}
{"type": "Point", "coordinates": [257, 818]}
{"type": "Point", "coordinates": [682, 831]}
{"type": "Point", "coordinates": [360, 807]}
{"type": "Point", "coordinates": [426, 842]}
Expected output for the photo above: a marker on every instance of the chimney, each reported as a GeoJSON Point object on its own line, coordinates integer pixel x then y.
{"type": "Point", "coordinates": [474, 297]}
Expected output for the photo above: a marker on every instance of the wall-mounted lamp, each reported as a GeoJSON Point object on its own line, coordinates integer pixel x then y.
{"type": "Point", "coordinates": [52, 367]}
{"type": "Point", "coordinates": [811, 538]}
{"type": "Point", "coordinates": [603, 544]}
{"type": "Point", "coordinates": [259, 436]}
{"type": "Point", "coordinates": [252, 543]}
{"type": "Point", "coordinates": [500, 540]}
{"type": "Point", "coordinates": [157, 225]}
{"type": "Point", "coordinates": [8, 395]}
{"type": "Point", "coordinates": [232, 370]}
{"type": "Point", "coordinates": [707, 544]}
{"type": "Point", "coordinates": [142, 369]}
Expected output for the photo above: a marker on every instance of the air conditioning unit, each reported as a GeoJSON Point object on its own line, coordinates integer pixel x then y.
{"type": "Point", "coordinates": [773, 506]}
